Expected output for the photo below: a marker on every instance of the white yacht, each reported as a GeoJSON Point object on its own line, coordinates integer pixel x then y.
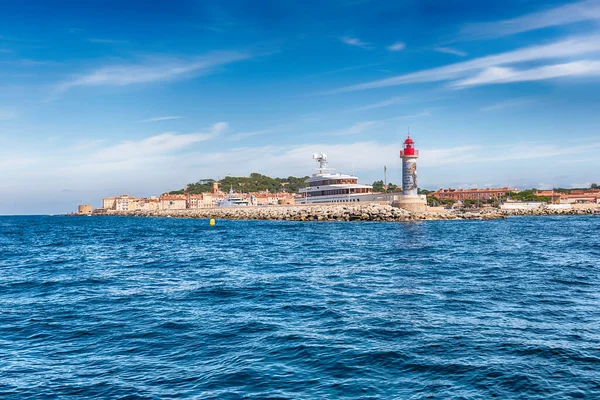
{"type": "Point", "coordinates": [233, 200]}
{"type": "Point", "coordinates": [329, 187]}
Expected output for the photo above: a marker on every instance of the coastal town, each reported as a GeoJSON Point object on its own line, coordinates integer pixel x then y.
{"type": "Point", "coordinates": [328, 188]}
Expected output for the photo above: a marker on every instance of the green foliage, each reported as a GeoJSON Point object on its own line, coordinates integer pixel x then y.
{"type": "Point", "coordinates": [528, 195]}
{"type": "Point", "coordinates": [379, 187]}
{"type": "Point", "coordinates": [253, 183]}
{"type": "Point", "coordinates": [594, 186]}
{"type": "Point", "coordinates": [433, 201]}
{"type": "Point", "coordinates": [425, 191]}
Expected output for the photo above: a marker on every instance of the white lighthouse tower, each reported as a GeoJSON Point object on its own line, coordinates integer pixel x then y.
{"type": "Point", "coordinates": [409, 157]}
{"type": "Point", "coordinates": [410, 199]}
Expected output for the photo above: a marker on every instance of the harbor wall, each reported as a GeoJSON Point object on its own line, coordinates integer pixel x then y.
{"type": "Point", "coordinates": [347, 212]}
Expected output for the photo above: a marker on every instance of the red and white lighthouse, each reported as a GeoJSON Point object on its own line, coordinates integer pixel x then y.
{"type": "Point", "coordinates": [409, 157]}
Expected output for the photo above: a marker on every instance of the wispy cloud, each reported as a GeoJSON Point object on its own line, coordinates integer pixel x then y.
{"type": "Point", "coordinates": [243, 135]}
{"type": "Point", "coordinates": [502, 153]}
{"type": "Point", "coordinates": [107, 41]}
{"type": "Point", "coordinates": [509, 104]}
{"type": "Point", "coordinates": [150, 70]}
{"type": "Point", "coordinates": [354, 42]}
{"type": "Point", "coordinates": [496, 75]}
{"type": "Point", "coordinates": [450, 50]}
{"type": "Point", "coordinates": [561, 49]}
{"type": "Point", "coordinates": [365, 126]}
{"type": "Point", "coordinates": [156, 145]}
{"type": "Point", "coordinates": [566, 14]}
{"type": "Point", "coordinates": [156, 119]}
{"type": "Point", "coordinates": [356, 128]}
{"type": "Point", "coordinates": [385, 103]}
{"type": "Point", "coordinates": [397, 46]}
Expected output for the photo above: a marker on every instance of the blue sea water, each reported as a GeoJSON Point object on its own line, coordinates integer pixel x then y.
{"type": "Point", "coordinates": [142, 308]}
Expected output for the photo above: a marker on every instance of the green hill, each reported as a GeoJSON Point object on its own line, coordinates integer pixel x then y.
{"type": "Point", "coordinates": [254, 183]}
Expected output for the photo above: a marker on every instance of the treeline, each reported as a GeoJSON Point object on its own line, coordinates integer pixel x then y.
{"type": "Point", "coordinates": [254, 183]}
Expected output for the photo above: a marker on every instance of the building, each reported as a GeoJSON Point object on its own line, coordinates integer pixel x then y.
{"type": "Point", "coordinates": [202, 200]}
{"type": "Point", "coordinates": [270, 199]}
{"type": "Point", "coordinates": [472, 194]}
{"type": "Point", "coordinates": [582, 197]}
{"type": "Point", "coordinates": [147, 204]}
{"type": "Point", "coordinates": [109, 203]}
{"type": "Point", "coordinates": [173, 202]}
{"type": "Point", "coordinates": [84, 209]}
{"type": "Point", "coordinates": [125, 202]}
{"type": "Point", "coordinates": [576, 196]}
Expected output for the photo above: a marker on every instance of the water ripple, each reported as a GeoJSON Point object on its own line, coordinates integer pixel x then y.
{"type": "Point", "coordinates": [138, 308]}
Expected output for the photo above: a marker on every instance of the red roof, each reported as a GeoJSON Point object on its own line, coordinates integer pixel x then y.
{"type": "Point", "coordinates": [408, 141]}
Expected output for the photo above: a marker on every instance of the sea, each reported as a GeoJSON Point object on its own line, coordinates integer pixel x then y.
{"type": "Point", "coordinates": [166, 308]}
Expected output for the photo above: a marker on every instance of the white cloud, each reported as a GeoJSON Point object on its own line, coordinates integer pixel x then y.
{"type": "Point", "coordinates": [397, 46]}
{"type": "Point", "coordinates": [385, 103]}
{"type": "Point", "coordinates": [450, 50]}
{"type": "Point", "coordinates": [151, 70]}
{"type": "Point", "coordinates": [566, 14]}
{"type": "Point", "coordinates": [354, 41]}
{"type": "Point", "coordinates": [107, 41]}
{"type": "Point", "coordinates": [155, 145]}
{"type": "Point", "coordinates": [561, 49]}
{"type": "Point", "coordinates": [243, 135]}
{"type": "Point", "coordinates": [156, 119]}
{"type": "Point", "coordinates": [162, 165]}
{"type": "Point", "coordinates": [366, 126]}
{"type": "Point", "coordinates": [509, 104]}
{"type": "Point", "coordinates": [496, 75]}
{"type": "Point", "coordinates": [356, 128]}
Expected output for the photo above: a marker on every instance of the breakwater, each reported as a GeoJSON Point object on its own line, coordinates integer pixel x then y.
{"type": "Point", "coordinates": [349, 212]}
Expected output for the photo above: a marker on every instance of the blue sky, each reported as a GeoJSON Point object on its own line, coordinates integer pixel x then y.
{"type": "Point", "coordinates": [103, 98]}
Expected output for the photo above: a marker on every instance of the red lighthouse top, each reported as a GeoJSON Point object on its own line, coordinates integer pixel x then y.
{"type": "Point", "coordinates": [409, 148]}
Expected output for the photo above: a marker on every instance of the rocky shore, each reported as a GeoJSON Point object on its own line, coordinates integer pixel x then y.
{"type": "Point", "coordinates": [349, 212]}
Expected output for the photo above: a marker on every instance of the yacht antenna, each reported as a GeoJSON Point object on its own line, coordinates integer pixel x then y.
{"type": "Point", "coordinates": [321, 158]}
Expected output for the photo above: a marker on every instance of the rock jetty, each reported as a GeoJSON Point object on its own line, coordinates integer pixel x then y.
{"type": "Point", "coordinates": [329, 212]}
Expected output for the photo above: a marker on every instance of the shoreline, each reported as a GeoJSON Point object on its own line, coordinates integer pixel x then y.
{"type": "Point", "coordinates": [347, 212]}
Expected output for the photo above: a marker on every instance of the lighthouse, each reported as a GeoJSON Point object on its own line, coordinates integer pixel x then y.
{"type": "Point", "coordinates": [409, 157]}
{"type": "Point", "coordinates": [410, 199]}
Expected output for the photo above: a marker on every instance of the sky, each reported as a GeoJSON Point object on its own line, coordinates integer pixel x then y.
{"type": "Point", "coordinates": [101, 98]}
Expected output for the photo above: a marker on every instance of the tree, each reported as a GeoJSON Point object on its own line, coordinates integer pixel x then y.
{"type": "Point", "coordinates": [529, 195]}
{"type": "Point", "coordinates": [594, 186]}
{"type": "Point", "coordinates": [433, 201]}
{"type": "Point", "coordinates": [378, 186]}
{"type": "Point", "coordinates": [469, 202]}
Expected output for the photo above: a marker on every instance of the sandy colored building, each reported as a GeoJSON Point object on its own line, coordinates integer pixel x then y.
{"type": "Point", "coordinates": [125, 202]}
{"type": "Point", "coordinates": [577, 196]}
{"type": "Point", "coordinates": [84, 209]}
{"type": "Point", "coordinates": [473, 194]}
{"type": "Point", "coordinates": [173, 202]}
{"type": "Point", "coordinates": [147, 204]}
{"type": "Point", "coordinates": [202, 200]}
{"type": "Point", "coordinates": [270, 199]}
{"type": "Point", "coordinates": [109, 203]}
